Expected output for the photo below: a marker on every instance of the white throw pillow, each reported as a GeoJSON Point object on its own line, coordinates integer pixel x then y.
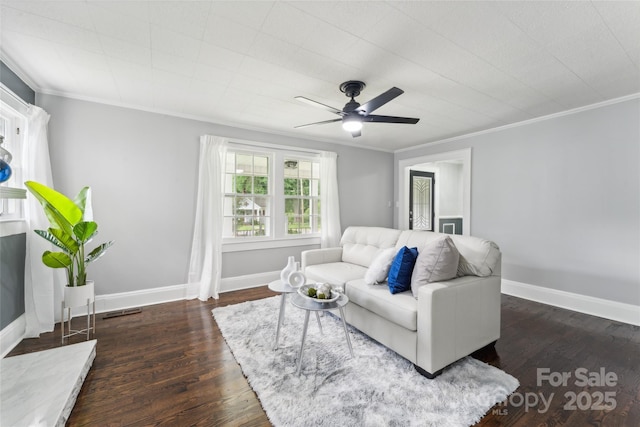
{"type": "Point", "coordinates": [437, 261]}
{"type": "Point", "coordinates": [379, 268]}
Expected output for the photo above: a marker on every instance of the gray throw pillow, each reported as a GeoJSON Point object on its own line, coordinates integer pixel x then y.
{"type": "Point", "coordinates": [437, 261]}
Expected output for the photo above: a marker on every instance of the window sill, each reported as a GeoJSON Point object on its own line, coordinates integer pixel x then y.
{"type": "Point", "coordinates": [233, 246]}
{"type": "Point", "coordinates": [13, 193]}
{"type": "Point", "coordinates": [10, 227]}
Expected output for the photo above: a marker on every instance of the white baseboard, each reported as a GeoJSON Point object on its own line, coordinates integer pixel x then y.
{"type": "Point", "coordinates": [237, 283]}
{"type": "Point", "coordinates": [618, 311]}
{"type": "Point", "coordinates": [125, 300]}
{"type": "Point", "coordinates": [12, 334]}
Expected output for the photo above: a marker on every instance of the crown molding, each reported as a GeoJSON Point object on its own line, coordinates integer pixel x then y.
{"type": "Point", "coordinates": [524, 122]}
{"type": "Point", "coordinates": [13, 66]}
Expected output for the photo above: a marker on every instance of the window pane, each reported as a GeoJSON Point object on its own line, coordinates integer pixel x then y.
{"type": "Point", "coordinates": [244, 226]}
{"type": "Point", "coordinates": [243, 184]}
{"type": "Point", "coordinates": [244, 163]}
{"type": "Point", "coordinates": [305, 169]}
{"type": "Point", "coordinates": [260, 226]}
{"type": "Point", "coordinates": [261, 185]}
{"type": "Point", "coordinates": [315, 187]}
{"type": "Point", "coordinates": [306, 184]}
{"type": "Point", "coordinates": [289, 205]}
{"type": "Point", "coordinates": [261, 206]}
{"type": "Point", "coordinates": [261, 165]}
{"type": "Point", "coordinates": [245, 206]}
{"type": "Point", "coordinates": [290, 168]}
{"type": "Point", "coordinates": [291, 187]}
{"type": "Point", "coordinates": [316, 169]}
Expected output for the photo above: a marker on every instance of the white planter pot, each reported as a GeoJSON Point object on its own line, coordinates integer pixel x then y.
{"type": "Point", "coordinates": [77, 296]}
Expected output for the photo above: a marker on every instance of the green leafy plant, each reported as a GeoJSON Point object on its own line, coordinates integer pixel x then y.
{"type": "Point", "coordinates": [71, 228]}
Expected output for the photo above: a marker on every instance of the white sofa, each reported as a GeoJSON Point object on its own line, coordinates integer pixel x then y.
{"type": "Point", "coordinates": [447, 321]}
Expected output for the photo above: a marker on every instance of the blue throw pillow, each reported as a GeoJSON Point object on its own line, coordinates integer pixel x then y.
{"type": "Point", "coordinates": [401, 270]}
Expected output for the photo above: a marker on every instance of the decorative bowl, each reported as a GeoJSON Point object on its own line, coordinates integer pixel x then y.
{"type": "Point", "coordinates": [304, 291]}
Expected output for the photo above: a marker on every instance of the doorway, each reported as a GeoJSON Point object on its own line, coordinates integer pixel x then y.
{"type": "Point", "coordinates": [421, 200]}
{"type": "Point", "coordinates": [452, 197]}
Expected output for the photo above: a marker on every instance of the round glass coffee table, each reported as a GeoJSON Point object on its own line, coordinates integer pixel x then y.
{"type": "Point", "coordinates": [284, 289]}
{"type": "Point", "coordinates": [309, 305]}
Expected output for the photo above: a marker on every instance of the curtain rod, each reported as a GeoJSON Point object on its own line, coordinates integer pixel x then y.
{"type": "Point", "coordinates": [278, 146]}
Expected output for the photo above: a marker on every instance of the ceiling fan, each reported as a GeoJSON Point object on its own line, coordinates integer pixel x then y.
{"type": "Point", "coordinates": [353, 114]}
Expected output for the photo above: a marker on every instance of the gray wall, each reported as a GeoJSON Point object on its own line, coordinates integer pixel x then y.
{"type": "Point", "coordinates": [450, 186]}
{"type": "Point", "coordinates": [16, 85]}
{"type": "Point", "coordinates": [562, 199]}
{"type": "Point", "coordinates": [12, 249]}
{"type": "Point", "coordinates": [142, 168]}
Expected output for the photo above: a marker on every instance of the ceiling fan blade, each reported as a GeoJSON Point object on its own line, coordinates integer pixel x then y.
{"type": "Point", "coordinates": [389, 119]}
{"type": "Point", "coordinates": [356, 133]}
{"type": "Point", "coordinates": [380, 100]}
{"type": "Point", "coordinates": [318, 123]}
{"type": "Point", "coordinates": [319, 105]}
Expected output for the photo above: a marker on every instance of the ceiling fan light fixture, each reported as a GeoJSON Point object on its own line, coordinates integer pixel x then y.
{"type": "Point", "coordinates": [354, 114]}
{"type": "Point", "coordinates": [351, 124]}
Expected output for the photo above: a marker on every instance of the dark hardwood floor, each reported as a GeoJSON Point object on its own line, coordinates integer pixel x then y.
{"type": "Point", "coordinates": [169, 365]}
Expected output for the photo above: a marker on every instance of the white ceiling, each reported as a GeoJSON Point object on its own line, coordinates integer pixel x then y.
{"type": "Point", "coordinates": [464, 66]}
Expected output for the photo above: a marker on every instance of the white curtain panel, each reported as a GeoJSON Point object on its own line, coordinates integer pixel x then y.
{"type": "Point", "coordinates": [329, 200]}
{"type": "Point", "coordinates": [40, 296]}
{"type": "Point", "coordinates": [205, 266]}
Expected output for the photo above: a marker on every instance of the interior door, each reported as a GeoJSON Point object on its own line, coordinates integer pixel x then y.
{"type": "Point", "coordinates": [421, 200]}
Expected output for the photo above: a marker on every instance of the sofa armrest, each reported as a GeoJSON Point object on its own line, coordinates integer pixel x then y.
{"type": "Point", "coordinates": [320, 256]}
{"type": "Point", "coordinates": [456, 318]}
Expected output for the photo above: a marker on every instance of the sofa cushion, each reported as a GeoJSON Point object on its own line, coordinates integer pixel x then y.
{"type": "Point", "coordinates": [437, 261]}
{"type": "Point", "coordinates": [360, 245]}
{"type": "Point", "coordinates": [478, 257]}
{"type": "Point", "coordinates": [334, 273]}
{"type": "Point", "coordinates": [401, 269]}
{"type": "Point", "coordinates": [401, 308]}
{"type": "Point", "coordinates": [379, 268]}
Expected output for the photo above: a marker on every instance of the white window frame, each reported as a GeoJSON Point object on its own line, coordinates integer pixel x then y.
{"type": "Point", "coordinates": [314, 199]}
{"type": "Point", "coordinates": [12, 209]}
{"type": "Point", "coordinates": [269, 195]}
{"type": "Point", "coordinates": [278, 227]}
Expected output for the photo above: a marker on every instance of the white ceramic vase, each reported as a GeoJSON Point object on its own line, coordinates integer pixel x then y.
{"type": "Point", "coordinates": [290, 268]}
{"type": "Point", "coordinates": [77, 296]}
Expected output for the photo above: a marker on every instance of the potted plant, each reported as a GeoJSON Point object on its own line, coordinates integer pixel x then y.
{"type": "Point", "coordinates": [71, 228]}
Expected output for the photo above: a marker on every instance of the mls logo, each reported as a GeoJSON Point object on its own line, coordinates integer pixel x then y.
{"type": "Point", "coordinates": [500, 411]}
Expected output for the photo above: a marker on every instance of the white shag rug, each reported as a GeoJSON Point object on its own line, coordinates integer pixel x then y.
{"type": "Point", "coordinates": [375, 388]}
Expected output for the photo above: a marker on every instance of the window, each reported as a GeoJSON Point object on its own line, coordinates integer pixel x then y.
{"type": "Point", "coordinates": [11, 136]}
{"type": "Point", "coordinates": [248, 199]}
{"type": "Point", "coordinates": [270, 194]}
{"type": "Point", "coordinates": [302, 196]}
